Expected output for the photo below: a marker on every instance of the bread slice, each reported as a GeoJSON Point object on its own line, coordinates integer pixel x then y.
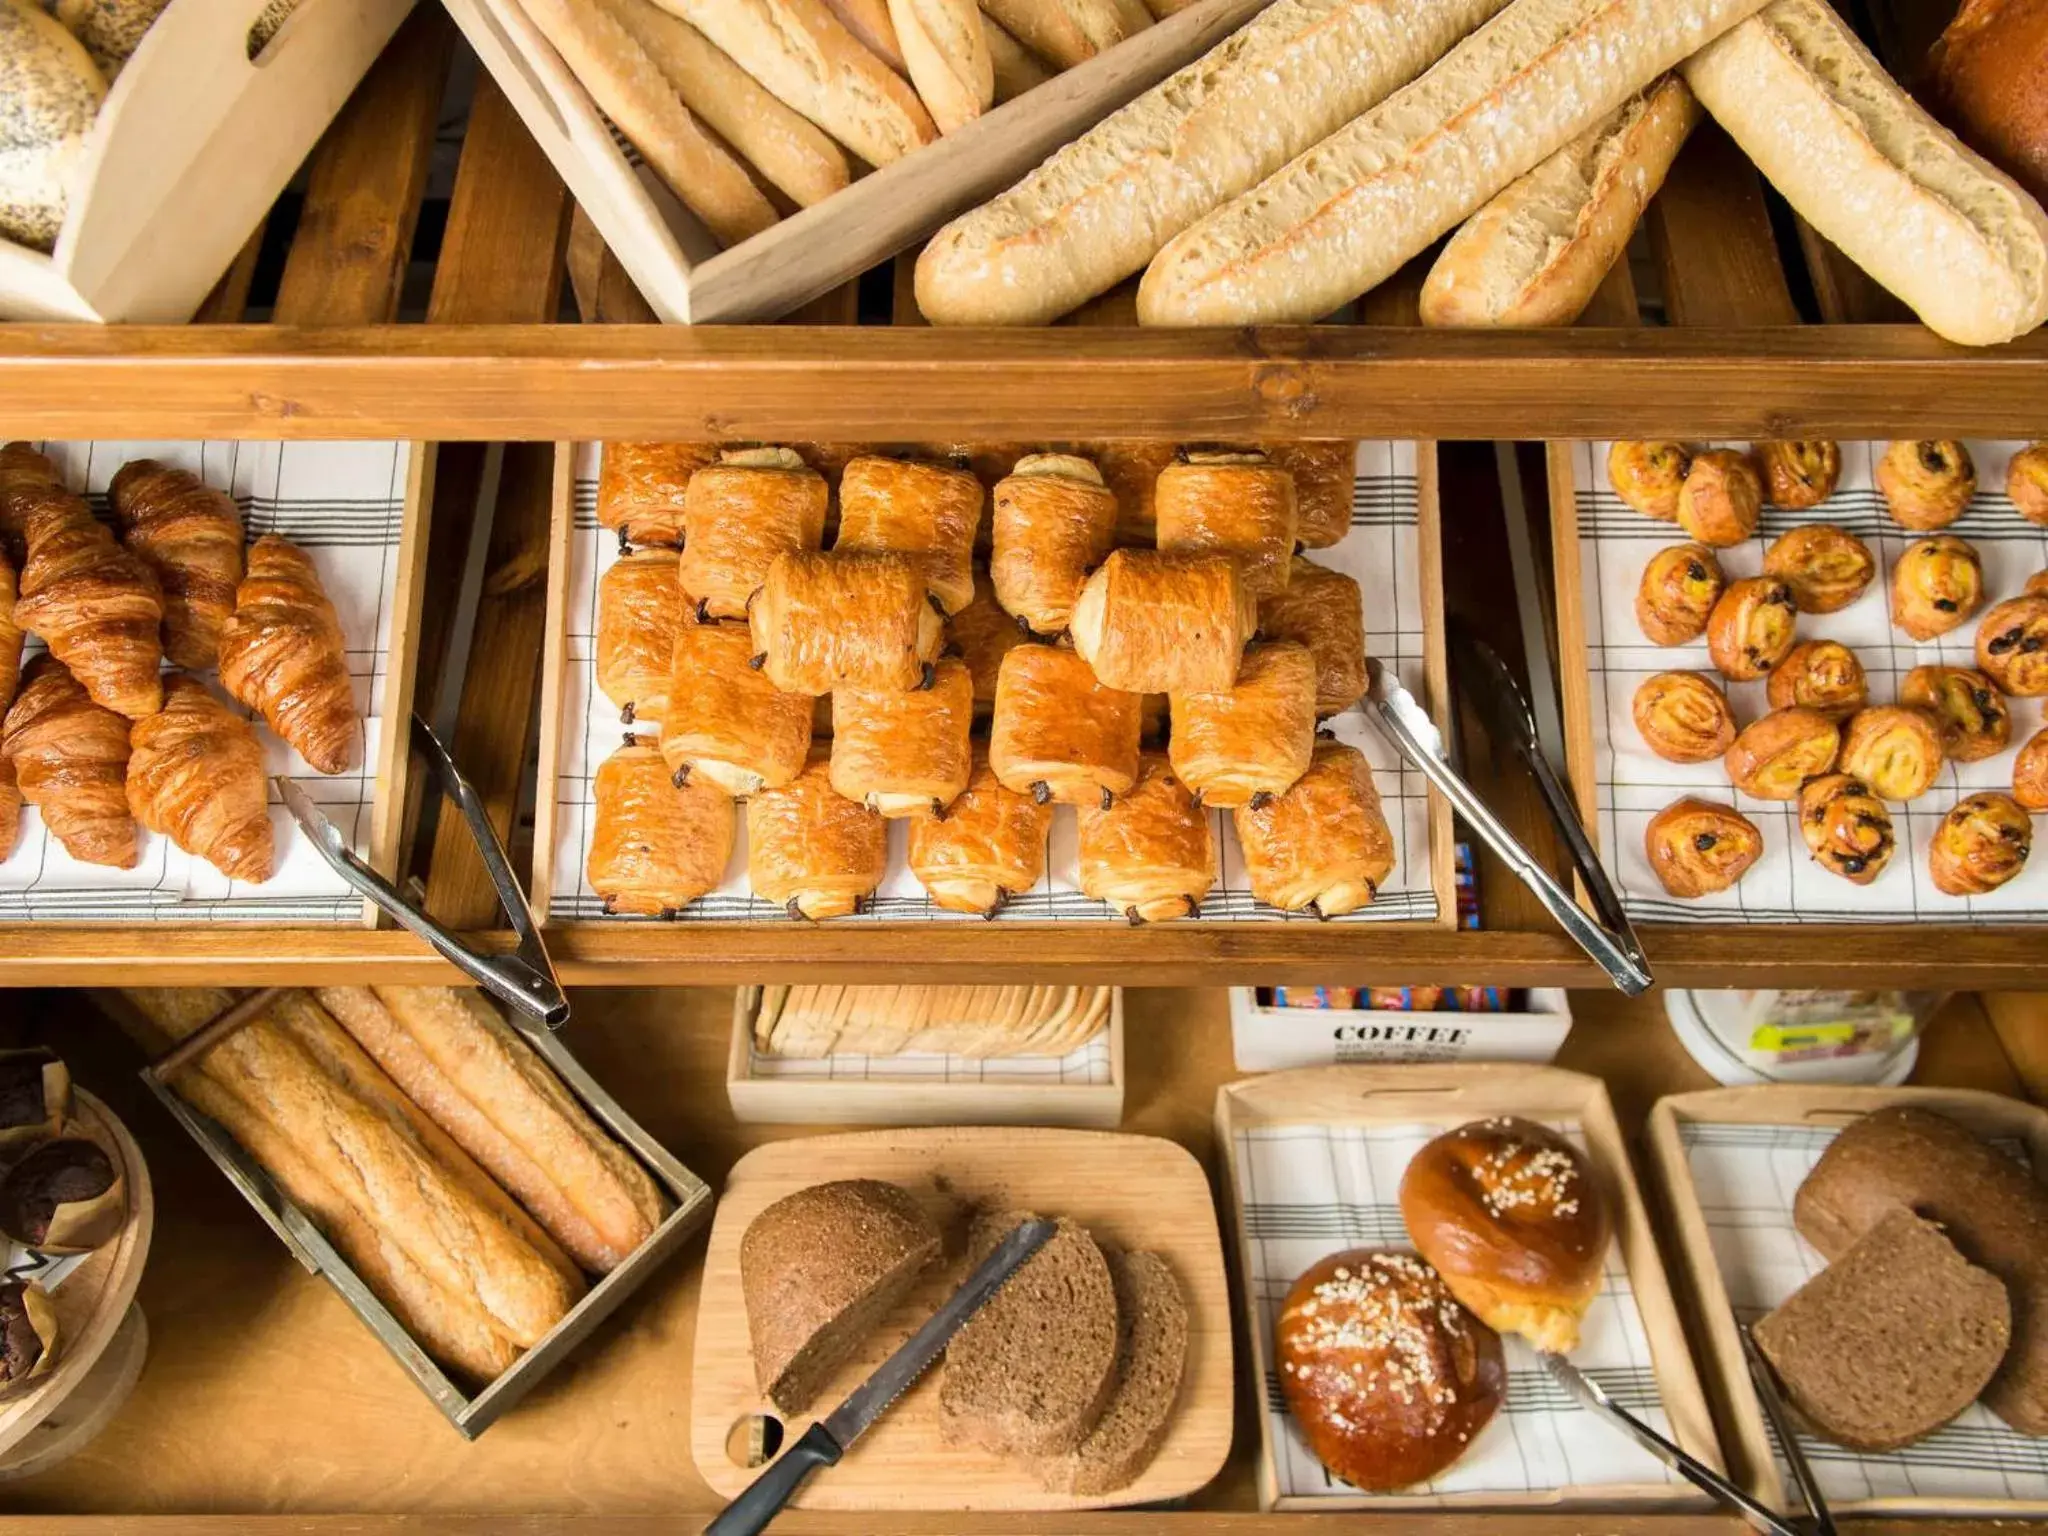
{"type": "Point", "coordinates": [1152, 1354]}
{"type": "Point", "coordinates": [819, 1270]}
{"type": "Point", "coordinates": [1892, 1340]}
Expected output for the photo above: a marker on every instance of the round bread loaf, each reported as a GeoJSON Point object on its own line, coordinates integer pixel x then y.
{"type": "Point", "coordinates": [110, 29]}
{"type": "Point", "coordinates": [1509, 1214]}
{"type": "Point", "coordinates": [49, 95]}
{"type": "Point", "coordinates": [1988, 69]}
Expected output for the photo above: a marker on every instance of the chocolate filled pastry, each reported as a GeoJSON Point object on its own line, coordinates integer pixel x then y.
{"type": "Point", "coordinates": [1722, 499]}
{"type": "Point", "coordinates": [1649, 476]}
{"type": "Point", "coordinates": [982, 634]}
{"type": "Point", "coordinates": [1697, 848]}
{"type": "Point", "coordinates": [1059, 734]}
{"type": "Point", "coordinates": [904, 752]}
{"type": "Point", "coordinates": [987, 848]}
{"type": "Point", "coordinates": [845, 620]}
{"type": "Point", "coordinates": [1322, 609]}
{"type": "Point", "coordinates": [2030, 773]}
{"type": "Point", "coordinates": [1679, 589]}
{"type": "Point", "coordinates": [1847, 828]}
{"type": "Point", "coordinates": [2026, 483]}
{"type": "Point", "coordinates": [1926, 485]}
{"type": "Point", "coordinates": [1980, 845]}
{"type": "Point", "coordinates": [1151, 853]}
{"type": "Point", "coordinates": [1250, 741]}
{"type": "Point", "coordinates": [830, 460]}
{"type": "Point", "coordinates": [2012, 645]}
{"type": "Point", "coordinates": [28, 1336]}
{"type": "Point", "coordinates": [1894, 749]}
{"type": "Point", "coordinates": [1388, 1378]}
{"type": "Point", "coordinates": [1235, 504]}
{"type": "Point", "coordinates": [1325, 473]}
{"type": "Point", "coordinates": [1131, 468]}
{"type": "Point", "coordinates": [1821, 675]}
{"type": "Point", "coordinates": [1323, 847]}
{"type": "Point", "coordinates": [66, 1196]}
{"type": "Point", "coordinates": [1684, 717]}
{"type": "Point", "coordinates": [1973, 719]}
{"type": "Point", "coordinates": [725, 721]}
{"type": "Point", "coordinates": [655, 847]}
{"type": "Point", "coordinates": [190, 535]}
{"type": "Point", "coordinates": [738, 515]}
{"type": "Point", "coordinates": [988, 462]}
{"type": "Point", "coordinates": [1152, 622]}
{"type": "Point", "coordinates": [641, 489]}
{"type": "Point", "coordinates": [1752, 627]}
{"type": "Point", "coordinates": [1826, 567]}
{"type": "Point", "coordinates": [1799, 476]}
{"type": "Point", "coordinates": [1937, 584]}
{"type": "Point", "coordinates": [639, 605]}
{"type": "Point", "coordinates": [1773, 756]}
{"type": "Point", "coordinates": [812, 851]}
{"type": "Point", "coordinates": [1054, 522]}
{"type": "Point", "coordinates": [928, 513]}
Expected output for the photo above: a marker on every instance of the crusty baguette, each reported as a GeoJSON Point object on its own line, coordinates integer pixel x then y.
{"type": "Point", "coordinates": [1538, 253]}
{"type": "Point", "coordinates": [1952, 236]}
{"type": "Point", "coordinates": [1102, 207]}
{"type": "Point", "coordinates": [1017, 69]}
{"type": "Point", "coordinates": [802, 52]}
{"type": "Point", "coordinates": [1342, 218]}
{"type": "Point", "coordinates": [1064, 32]}
{"type": "Point", "coordinates": [1161, 9]}
{"type": "Point", "coordinates": [946, 49]}
{"type": "Point", "coordinates": [870, 22]}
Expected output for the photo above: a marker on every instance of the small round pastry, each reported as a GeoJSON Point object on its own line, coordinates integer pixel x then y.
{"type": "Point", "coordinates": [1752, 628]}
{"type": "Point", "coordinates": [1679, 589]}
{"type": "Point", "coordinates": [2012, 645]}
{"type": "Point", "coordinates": [1684, 718]}
{"type": "Point", "coordinates": [1936, 585]}
{"type": "Point", "coordinates": [1648, 476]}
{"type": "Point", "coordinates": [1508, 1213]}
{"type": "Point", "coordinates": [1821, 675]}
{"type": "Point", "coordinates": [1974, 721]}
{"type": "Point", "coordinates": [2030, 773]}
{"type": "Point", "coordinates": [1826, 567]}
{"type": "Point", "coordinates": [1698, 848]}
{"type": "Point", "coordinates": [1980, 845]}
{"type": "Point", "coordinates": [2026, 483]}
{"type": "Point", "coordinates": [1927, 485]}
{"type": "Point", "coordinates": [1800, 475]}
{"type": "Point", "coordinates": [1847, 828]}
{"type": "Point", "coordinates": [2037, 584]}
{"type": "Point", "coordinates": [1780, 752]}
{"type": "Point", "coordinates": [1389, 1379]}
{"type": "Point", "coordinates": [1722, 498]}
{"type": "Point", "coordinates": [1895, 750]}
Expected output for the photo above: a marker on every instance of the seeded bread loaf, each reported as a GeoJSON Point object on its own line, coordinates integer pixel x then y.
{"type": "Point", "coordinates": [1152, 1354]}
{"type": "Point", "coordinates": [49, 95]}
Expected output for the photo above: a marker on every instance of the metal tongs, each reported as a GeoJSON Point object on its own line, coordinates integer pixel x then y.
{"type": "Point", "coordinates": [1611, 939]}
{"type": "Point", "coordinates": [525, 979]}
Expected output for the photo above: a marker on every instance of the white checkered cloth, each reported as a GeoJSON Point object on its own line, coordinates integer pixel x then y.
{"type": "Point", "coordinates": [1381, 553]}
{"type": "Point", "coordinates": [1087, 1065]}
{"type": "Point", "coordinates": [1634, 784]}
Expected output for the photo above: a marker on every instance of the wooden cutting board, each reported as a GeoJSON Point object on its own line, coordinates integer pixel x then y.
{"type": "Point", "coordinates": [1137, 1192]}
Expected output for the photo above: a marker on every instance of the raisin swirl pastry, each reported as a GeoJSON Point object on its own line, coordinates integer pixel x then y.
{"type": "Point", "coordinates": [1775, 755]}
{"type": "Point", "coordinates": [1973, 719]}
{"type": "Point", "coordinates": [1926, 485]}
{"type": "Point", "coordinates": [1826, 567]}
{"type": "Point", "coordinates": [1847, 828]}
{"type": "Point", "coordinates": [1800, 475]}
{"type": "Point", "coordinates": [2012, 645]}
{"type": "Point", "coordinates": [1677, 594]}
{"type": "Point", "coordinates": [1936, 585]}
{"type": "Point", "coordinates": [1821, 675]}
{"type": "Point", "coordinates": [1697, 848]}
{"type": "Point", "coordinates": [2030, 773]}
{"type": "Point", "coordinates": [2037, 584]}
{"type": "Point", "coordinates": [2026, 483]}
{"type": "Point", "coordinates": [1683, 717]}
{"type": "Point", "coordinates": [1648, 476]}
{"type": "Point", "coordinates": [1980, 845]}
{"type": "Point", "coordinates": [1894, 749]}
{"type": "Point", "coordinates": [1751, 628]}
{"type": "Point", "coordinates": [1722, 498]}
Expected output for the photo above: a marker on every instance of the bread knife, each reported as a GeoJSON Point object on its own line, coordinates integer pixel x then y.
{"type": "Point", "coordinates": [832, 1436]}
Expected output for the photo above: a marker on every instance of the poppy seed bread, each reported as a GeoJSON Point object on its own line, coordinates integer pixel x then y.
{"type": "Point", "coordinates": [1152, 1355]}
{"type": "Point", "coordinates": [50, 93]}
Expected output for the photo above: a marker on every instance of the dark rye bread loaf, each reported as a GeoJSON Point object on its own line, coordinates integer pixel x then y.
{"type": "Point", "coordinates": [1152, 1353]}
{"type": "Point", "coordinates": [1991, 1207]}
{"type": "Point", "coordinates": [1891, 1340]}
{"type": "Point", "coordinates": [820, 1270]}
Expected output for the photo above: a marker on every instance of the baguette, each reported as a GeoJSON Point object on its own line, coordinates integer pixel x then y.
{"type": "Point", "coordinates": [1063, 32]}
{"type": "Point", "coordinates": [1342, 218]}
{"type": "Point", "coordinates": [1538, 253]}
{"type": "Point", "coordinates": [1102, 207]}
{"type": "Point", "coordinates": [875, 29]}
{"type": "Point", "coordinates": [1959, 241]}
{"type": "Point", "coordinates": [1017, 69]}
{"type": "Point", "coordinates": [946, 49]}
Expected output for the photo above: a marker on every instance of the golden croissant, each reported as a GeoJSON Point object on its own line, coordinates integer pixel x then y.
{"type": "Point", "coordinates": [10, 636]}
{"type": "Point", "coordinates": [27, 480]}
{"type": "Point", "coordinates": [10, 809]}
{"type": "Point", "coordinates": [190, 535]}
{"type": "Point", "coordinates": [195, 774]}
{"type": "Point", "coordinates": [282, 654]}
{"type": "Point", "coordinates": [70, 757]}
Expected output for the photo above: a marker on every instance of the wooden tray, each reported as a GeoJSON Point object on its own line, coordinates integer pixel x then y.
{"type": "Point", "coordinates": [1136, 1191]}
{"type": "Point", "coordinates": [1711, 1311]}
{"type": "Point", "coordinates": [1346, 1097]}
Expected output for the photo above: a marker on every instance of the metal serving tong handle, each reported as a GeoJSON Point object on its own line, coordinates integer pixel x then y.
{"type": "Point", "coordinates": [525, 979]}
{"type": "Point", "coordinates": [1773, 1401]}
{"type": "Point", "coordinates": [1611, 940]}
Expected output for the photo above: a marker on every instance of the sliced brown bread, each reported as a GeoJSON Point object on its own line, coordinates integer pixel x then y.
{"type": "Point", "coordinates": [1892, 1340]}
{"type": "Point", "coordinates": [1030, 1372]}
{"type": "Point", "coordinates": [1152, 1353]}
{"type": "Point", "coordinates": [820, 1270]}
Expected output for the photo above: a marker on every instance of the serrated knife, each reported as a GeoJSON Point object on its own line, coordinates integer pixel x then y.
{"type": "Point", "coordinates": [832, 1436]}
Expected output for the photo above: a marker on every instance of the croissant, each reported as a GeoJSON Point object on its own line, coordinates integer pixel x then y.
{"type": "Point", "coordinates": [1249, 742]}
{"type": "Point", "coordinates": [70, 758]}
{"type": "Point", "coordinates": [1131, 470]}
{"type": "Point", "coordinates": [10, 636]}
{"type": "Point", "coordinates": [1324, 476]}
{"type": "Point", "coordinates": [738, 515]}
{"type": "Point", "coordinates": [27, 481]}
{"type": "Point", "coordinates": [1059, 734]}
{"type": "Point", "coordinates": [1235, 504]}
{"type": "Point", "coordinates": [725, 720]}
{"type": "Point", "coordinates": [988, 847]}
{"type": "Point", "coordinates": [195, 774]}
{"type": "Point", "coordinates": [282, 654]}
{"type": "Point", "coordinates": [1322, 609]}
{"type": "Point", "coordinates": [982, 634]}
{"type": "Point", "coordinates": [843, 620]}
{"type": "Point", "coordinates": [1054, 522]}
{"type": "Point", "coordinates": [1150, 854]}
{"type": "Point", "coordinates": [904, 752]}
{"type": "Point", "coordinates": [1151, 622]}
{"type": "Point", "coordinates": [655, 847]}
{"type": "Point", "coordinates": [641, 486]}
{"type": "Point", "coordinates": [928, 513]}
{"type": "Point", "coordinates": [638, 606]}
{"type": "Point", "coordinates": [190, 535]}
{"type": "Point", "coordinates": [10, 809]}
{"type": "Point", "coordinates": [1323, 847]}
{"type": "Point", "coordinates": [811, 849]}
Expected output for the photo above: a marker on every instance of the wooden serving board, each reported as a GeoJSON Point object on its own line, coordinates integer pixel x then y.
{"type": "Point", "coordinates": [1137, 1192]}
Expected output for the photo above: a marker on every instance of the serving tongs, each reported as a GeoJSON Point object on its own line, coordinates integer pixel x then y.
{"type": "Point", "coordinates": [1610, 938]}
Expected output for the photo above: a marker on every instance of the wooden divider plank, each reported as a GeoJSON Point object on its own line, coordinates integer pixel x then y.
{"type": "Point", "coordinates": [605, 295]}
{"type": "Point", "coordinates": [1614, 301]}
{"type": "Point", "coordinates": [1712, 235]}
{"type": "Point", "coordinates": [835, 306]}
{"type": "Point", "coordinates": [230, 295]}
{"type": "Point", "coordinates": [905, 310]}
{"type": "Point", "coordinates": [508, 225]}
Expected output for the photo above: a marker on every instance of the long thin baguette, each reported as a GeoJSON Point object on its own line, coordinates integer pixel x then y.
{"type": "Point", "coordinates": [1342, 218]}
{"type": "Point", "coordinates": [870, 22]}
{"type": "Point", "coordinates": [1955, 238]}
{"type": "Point", "coordinates": [1101, 208]}
{"type": "Point", "coordinates": [1017, 69]}
{"type": "Point", "coordinates": [946, 49]}
{"type": "Point", "coordinates": [1066, 32]}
